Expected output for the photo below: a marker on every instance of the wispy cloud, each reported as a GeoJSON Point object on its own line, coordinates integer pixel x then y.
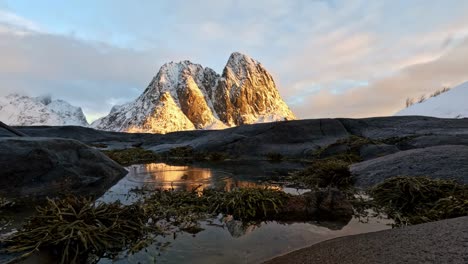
{"type": "Point", "coordinates": [387, 95]}
{"type": "Point", "coordinates": [85, 74]}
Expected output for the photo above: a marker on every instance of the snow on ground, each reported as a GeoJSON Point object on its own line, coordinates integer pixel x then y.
{"type": "Point", "coordinates": [451, 104]}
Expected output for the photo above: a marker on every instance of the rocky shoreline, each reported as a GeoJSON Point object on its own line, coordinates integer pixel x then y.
{"type": "Point", "coordinates": [53, 160]}
{"type": "Point", "coordinates": [392, 146]}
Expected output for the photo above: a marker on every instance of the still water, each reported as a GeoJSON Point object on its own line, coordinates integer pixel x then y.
{"type": "Point", "coordinates": [227, 241]}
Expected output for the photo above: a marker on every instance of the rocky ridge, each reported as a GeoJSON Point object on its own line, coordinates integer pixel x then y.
{"type": "Point", "coordinates": [187, 96]}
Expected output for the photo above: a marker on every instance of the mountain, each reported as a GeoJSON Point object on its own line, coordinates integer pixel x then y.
{"type": "Point", "coordinates": [187, 96]}
{"type": "Point", "coordinates": [450, 104]}
{"type": "Point", "coordinates": [21, 110]}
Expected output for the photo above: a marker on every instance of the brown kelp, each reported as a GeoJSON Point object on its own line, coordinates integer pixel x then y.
{"type": "Point", "coordinates": [325, 173]}
{"type": "Point", "coordinates": [246, 203]}
{"type": "Point", "coordinates": [131, 156]}
{"type": "Point", "coordinates": [188, 153]}
{"type": "Point", "coordinates": [274, 157]}
{"type": "Point", "coordinates": [78, 230]}
{"type": "Point", "coordinates": [346, 149]}
{"type": "Point", "coordinates": [5, 204]}
{"type": "Point", "coordinates": [414, 200]}
{"type": "Point", "coordinates": [242, 204]}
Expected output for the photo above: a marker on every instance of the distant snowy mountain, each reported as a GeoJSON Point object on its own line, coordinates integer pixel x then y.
{"type": "Point", "coordinates": [20, 110]}
{"type": "Point", "coordinates": [451, 104]}
{"type": "Point", "coordinates": [187, 96]}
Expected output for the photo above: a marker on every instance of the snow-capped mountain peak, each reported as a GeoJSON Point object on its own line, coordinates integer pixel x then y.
{"type": "Point", "coordinates": [21, 110]}
{"type": "Point", "coordinates": [450, 104]}
{"type": "Point", "coordinates": [244, 94]}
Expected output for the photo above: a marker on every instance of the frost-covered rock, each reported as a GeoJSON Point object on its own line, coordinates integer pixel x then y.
{"type": "Point", "coordinates": [451, 104]}
{"type": "Point", "coordinates": [21, 110]}
{"type": "Point", "coordinates": [187, 96]}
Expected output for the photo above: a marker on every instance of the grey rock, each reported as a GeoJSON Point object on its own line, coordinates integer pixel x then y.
{"type": "Point", "coordinates": [437, 140]}
{"type": "Point", "coordinates": [438, 242]}
{"type": "Point", "coordinates": [297, 138]}
{"type": "Point", "coordinates": [371, 151]}
{"type": "Point", "coordinates": [401, 126]}
{"type": "Point", "coordinates": [291, 138]}
{"type": "Point", "coordinates": [39, 167]}
{"type": "Point", "coordinates": [442, 162]}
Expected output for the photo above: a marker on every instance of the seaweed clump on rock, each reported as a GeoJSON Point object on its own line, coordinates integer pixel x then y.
{"type": "Point", "coordinates": [325, 173]}
{"type": "Point", "coordinates": [77, 230]}
{"type": "Point", "coordinates": [131, 156]}
{"type": "Point", "coordinates": [415, 200]}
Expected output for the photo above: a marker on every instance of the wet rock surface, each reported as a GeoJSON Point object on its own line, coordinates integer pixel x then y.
{"type": "Point", "coordinates": [40, 167]}
{"type": "Point", "coordinates": [438, 242]}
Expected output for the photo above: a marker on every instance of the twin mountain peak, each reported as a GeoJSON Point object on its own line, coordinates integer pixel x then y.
{"type": "Point", "coordinates": [187, 96]}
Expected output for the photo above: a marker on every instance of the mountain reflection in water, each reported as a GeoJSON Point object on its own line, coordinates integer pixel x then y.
{"type": "Point", "coordinates": [165, 176]}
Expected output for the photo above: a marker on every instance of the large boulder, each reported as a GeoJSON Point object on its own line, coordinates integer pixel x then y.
{"type": "Point", "coordinates": [440, 162]}
{"type": "Point", "coordinates": [40, 167]}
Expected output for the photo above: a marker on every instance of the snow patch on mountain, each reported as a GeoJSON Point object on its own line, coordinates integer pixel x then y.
{"type": "Point", "coordinates": [187, 96]}
{"type": "Point", "coordinates": [21, 110]}
{"type": "Point", "coordinates": [451, 104]}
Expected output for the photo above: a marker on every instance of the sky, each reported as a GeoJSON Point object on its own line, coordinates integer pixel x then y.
{"type": "Point", "coordinates": [329, 58]}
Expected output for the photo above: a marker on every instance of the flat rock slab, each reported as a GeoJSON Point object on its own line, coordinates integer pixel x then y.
{"type": "Point", "coordinates": [401, 126]}
{"type": "Point", "coordinates": [438, 242]}
{"type": "Point", "coordinates": [441, 162]}
{"type": "Point", "coordinates": [39, 167]}
{"type": "Point", "coordinates": [299, 138]}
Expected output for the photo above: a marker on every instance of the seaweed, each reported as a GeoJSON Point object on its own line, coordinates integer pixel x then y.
{"type": "Point", "coordinates": [350, 149]}
{"type": "Point", "coordinates": [187, 153]}
{"type": "Point", "coordinates": [187, 207]}
{"type": "Point", "coordinates": [5, 205]}
{"type": "Point", "coordinates": [181, 152]}
{"type": "Point", "coordinates": [415, 200]}
{"type": "Point", "coordinates": [325, 173]}
{"type": "Point", "coordinates": [131, 156]}
{"type": "Point", "coordinates": [246, 203]}
{"type": "Point", "coordinates": [76, 229]}
{"type": "Point", "coordinates": [79, 230]}
{"type": "Point", "coordinates": [274, 157]}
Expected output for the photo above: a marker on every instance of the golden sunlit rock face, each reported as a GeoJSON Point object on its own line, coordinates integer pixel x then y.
{"type": "Point", "coordinates": [187, 96]}
{"type": "Point", "coordinates": [247, 94]}
{"type": "Point", "coordinates": [166, 117]}
{"type": "Point", "coordinates": [194, 105]}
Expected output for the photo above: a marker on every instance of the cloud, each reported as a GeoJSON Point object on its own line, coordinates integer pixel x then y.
{"type": "Point", "coordinates": [387, 96]}
{"type": "Point", "coordinates": [18, 23]}
{"type": "Point", "coordinates": [85, 74]}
